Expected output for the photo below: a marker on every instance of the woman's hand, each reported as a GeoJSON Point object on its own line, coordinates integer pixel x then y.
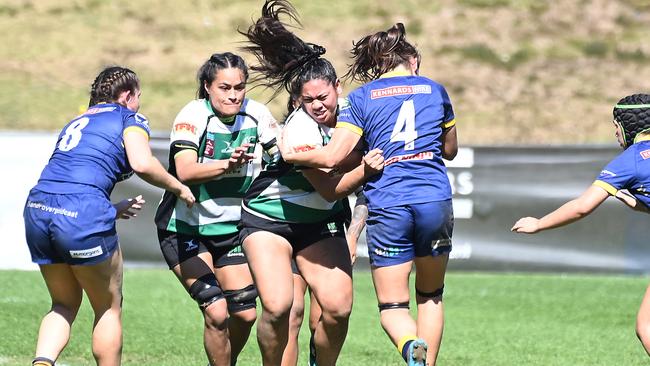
{"type": "Point", "coordinates": [239, 157]}
{"type": "Point", "coordinates": [185, 194]}
{"type": "Point", "coordinates": [373, 162]}
{"type": "Point", "coordinates": [127, 208]}
{"type": "Point", "coordinates": [526, 225]}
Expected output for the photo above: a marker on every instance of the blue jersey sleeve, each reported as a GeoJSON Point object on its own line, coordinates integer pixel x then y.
{"type": "Point", "coordinates": [618, 174]}
{"type": "Point", "coordinates": [137, 121]}
{"type": "Point", "coordinates": [449, 117]}
{"type": "Point", "coordinates": [350, 113]}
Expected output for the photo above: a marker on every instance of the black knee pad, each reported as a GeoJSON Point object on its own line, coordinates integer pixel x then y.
{"type": "Point", "coordinates": [393, 305]}
{"type": "Point", "coordinates": [242, 299]}
{"type": "Point", "coordinates": [431, 295]}
{"type": "Point", "coordinates": [205, 291]}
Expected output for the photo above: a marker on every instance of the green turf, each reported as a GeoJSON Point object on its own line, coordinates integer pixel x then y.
{"type": "Point", "coordinates": [491, 319]}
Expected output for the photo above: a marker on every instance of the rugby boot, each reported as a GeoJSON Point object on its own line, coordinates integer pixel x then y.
{"type": "Point", "coordinates": [417, 354]}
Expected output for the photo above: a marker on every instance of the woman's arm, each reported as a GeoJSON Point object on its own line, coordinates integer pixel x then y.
{"type": "Point", "coordinates": [626, 197]}
{"type": "Point", "coordinates": [342, 143]}
{"type": "Point", "coordinates": [190, 171]}
{"type": "Point", "coordinates": [571, 211]}
{"type": "Point", "coordinates": [449, 143]}
{"type": "Point", "coordinates": [147, 167]}
{"type": "Point", "coordinates": [336, 187]}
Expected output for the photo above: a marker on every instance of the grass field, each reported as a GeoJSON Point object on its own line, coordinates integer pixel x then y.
{"type": "Point", "coordinates": [491, 319]}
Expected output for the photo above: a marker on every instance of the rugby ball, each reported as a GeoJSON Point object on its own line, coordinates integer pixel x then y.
{"type": "Point", "coordinates": [301, 133]}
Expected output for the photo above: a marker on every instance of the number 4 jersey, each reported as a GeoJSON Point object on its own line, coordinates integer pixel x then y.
{"type": "Point", "coordinates": [90, 151]}
{"type": "Point", "coordinates": [404, 116]}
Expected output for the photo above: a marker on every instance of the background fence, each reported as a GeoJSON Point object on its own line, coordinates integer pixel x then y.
{"type": "Point", "coordinates": [493, 187]}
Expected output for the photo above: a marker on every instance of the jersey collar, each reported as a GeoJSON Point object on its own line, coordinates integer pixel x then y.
{"type": "Point", "coordinates": [642, 138]}
{"type": "Point", "coordinates": [392, 74]}
{"type": "Point", "coordinates": [227, 120]}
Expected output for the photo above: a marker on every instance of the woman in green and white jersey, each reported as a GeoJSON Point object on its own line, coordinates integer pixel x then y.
{"type": "Point", "coordinates": [216, 148]}
{"type": "Point", "coordinates": [291, 212]}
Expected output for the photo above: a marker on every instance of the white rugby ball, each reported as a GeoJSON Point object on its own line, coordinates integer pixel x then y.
{"type": "Point", "coordinates": [301, 132]}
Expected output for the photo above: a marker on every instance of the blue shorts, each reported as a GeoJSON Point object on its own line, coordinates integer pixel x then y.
{"type": "Point", "coordinates": [69, 228]}
{"type": "Point", "coordinates": [398, 234]}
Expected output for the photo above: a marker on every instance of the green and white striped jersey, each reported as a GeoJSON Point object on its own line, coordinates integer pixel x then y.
{"type": "Point", "coordinates": [281, 192]}
{"type": "Point", "coordinates": [218, 202]}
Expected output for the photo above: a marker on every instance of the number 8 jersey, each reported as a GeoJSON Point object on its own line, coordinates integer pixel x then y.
{"type": "Point", "coordinates": [404, 116]}
{"type": "Point", "coordinates": [90, 152]}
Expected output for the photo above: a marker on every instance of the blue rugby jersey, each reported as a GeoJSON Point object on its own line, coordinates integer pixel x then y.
{"type": "Point", "coordinates": [629, 170]}
{"type": "Point", "coordinates": [90, 151]}
{"type": "Point", "coordinates": [404, 116]}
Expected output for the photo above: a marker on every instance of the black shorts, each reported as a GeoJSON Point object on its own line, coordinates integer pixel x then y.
{"type": "Point", "coordinates": [177, 248]}
{"type": "Point", "coordinates": [300, 236]}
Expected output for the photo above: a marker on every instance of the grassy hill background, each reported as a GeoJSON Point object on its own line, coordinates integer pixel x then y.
{"type": "Point", "coordinates": [518, 71]}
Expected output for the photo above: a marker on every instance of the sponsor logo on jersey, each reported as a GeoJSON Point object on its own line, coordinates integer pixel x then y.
{"type": "Point", "coordinates": [184, 126]}
{"type": "Point", "coordinates": [54, 210]}
{"type": "Point", "coordinates": [190, 245]}
{"type": "Point", "coordinates": [228, 149]}
{"type": "Point", "coordinates": [400, 90]}
{"type": "Point", "coordinates": [387, 252]}
{"type": "Point", "coordinates": [303, 148]}
{"type": "Point", "coordinates": [607, 173]}
{"type": "Point", "coordinates": [141, 119]}
{"type": "Point", "coordinates": [99, 110]}
{"type": "Point", "coordinates": [87, 253]}
{"type": "Point", "coordinates": [440, 244]}
{"type": "Point", "coordinates": [426, 155]}
{"type": "Point", "coordinates": [332, 228]}
{"type": "Point", "coordinates": [209, 148]}
{"type": "Point", "coordinates": [344, 103]}
{"type": "Point", "coordinates": [645, 154]}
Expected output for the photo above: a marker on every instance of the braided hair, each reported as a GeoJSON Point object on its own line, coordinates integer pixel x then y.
{"type": "Point", "coordinates": [632, 113]}
{"type": "Point", "coordinates": [110, 83]}
{"type": "Point", "coordinates": [379, 53]}
{"type": "Point", "coordinates": [285, 61]}
{"type": "Point", "coordinates": [218, 61]}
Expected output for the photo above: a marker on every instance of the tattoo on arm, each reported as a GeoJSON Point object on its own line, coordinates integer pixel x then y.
{"type": "Point", "coordinates": [358, 221]}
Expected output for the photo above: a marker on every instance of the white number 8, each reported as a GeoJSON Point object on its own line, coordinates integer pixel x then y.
{"type": "Point", "coordinates": [404, 129]}
{"type": "Point", "coordinates": [73, 134]}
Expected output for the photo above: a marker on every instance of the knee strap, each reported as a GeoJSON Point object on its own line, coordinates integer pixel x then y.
{"type": "Point", "coordinates": [42, 361]}
{"type": "Point", "coordinates": [393, 305]}
{"type": "Point", "coordinates": [436, 293]}
{"type": "Point", "coordinates": [205, 291]}
{"type": "Point", "coordinates": [242, 299]}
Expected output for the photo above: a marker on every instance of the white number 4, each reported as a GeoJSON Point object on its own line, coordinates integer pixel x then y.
{"type": "Point", "coordinates": [72, 134]}
{"type": "Point", "coordinates": [404, 129]}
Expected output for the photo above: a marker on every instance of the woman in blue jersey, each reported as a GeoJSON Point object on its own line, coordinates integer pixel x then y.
{"type": "Point", "coordinates": [70, 222]}
{"type": "Point", "coordinates": [217, 145]}
{"type": "Point", "coordinates": [626, 178]}
{"type": "Point", "coordinates": [295, 212]}
{"type": "Point", "coordinates": [410, 219]}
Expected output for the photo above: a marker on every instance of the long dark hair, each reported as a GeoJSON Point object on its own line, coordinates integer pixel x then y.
{"type": "Point", "coordinates": [110, 83]}
{"type": "Point", "coordinates": [285, 61]}
{"type": "Point", "coordinates": [216, 62]}
{"type": "Point", "coordinates": [379, 53]}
